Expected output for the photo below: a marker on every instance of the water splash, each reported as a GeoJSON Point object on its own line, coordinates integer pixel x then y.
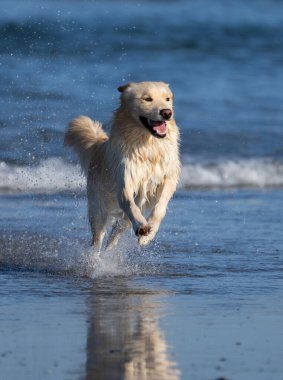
{"type": "Point", "coordinates": [62, 256]}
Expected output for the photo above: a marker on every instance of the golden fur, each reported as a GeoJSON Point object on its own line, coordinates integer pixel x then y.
{"type": "Point", "coordinates": [133, 169]}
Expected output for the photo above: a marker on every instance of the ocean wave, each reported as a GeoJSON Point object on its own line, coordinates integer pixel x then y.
{"type": "Point", "coordinates": [51, 175]}
{"type": "Point", "coordinates": [249, 173]}
{"type": "Point", "coordinates": [56, 175]}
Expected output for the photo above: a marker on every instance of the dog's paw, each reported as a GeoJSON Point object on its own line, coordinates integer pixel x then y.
{"type": "Point", "coordinates": [146, 239]}
{"type": "Point", "coordinates": [143, 230]}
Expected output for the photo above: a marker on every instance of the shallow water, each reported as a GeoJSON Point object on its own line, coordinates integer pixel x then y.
{"type": "Point", "coordinates": [204, 301]}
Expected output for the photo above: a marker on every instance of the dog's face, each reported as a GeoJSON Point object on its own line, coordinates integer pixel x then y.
{"type": "Point", "coordinates": [150, 104]}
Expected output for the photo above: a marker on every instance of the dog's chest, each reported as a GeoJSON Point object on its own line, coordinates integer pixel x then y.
{"type": "Point", "coordinates": [148, 170]}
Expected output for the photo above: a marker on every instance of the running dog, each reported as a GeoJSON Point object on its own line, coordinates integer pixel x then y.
{"type": "Point", "coordinates": [136, 168]}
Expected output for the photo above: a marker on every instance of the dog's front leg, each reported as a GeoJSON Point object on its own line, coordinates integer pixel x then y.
{"type": "Point", "coordinates": [164, 194]}
{"type": "Point", "coordinates": [128, 205]}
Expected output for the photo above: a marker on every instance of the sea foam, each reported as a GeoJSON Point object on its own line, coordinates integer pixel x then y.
{"type": "Point", "coordinates": [55, 175]}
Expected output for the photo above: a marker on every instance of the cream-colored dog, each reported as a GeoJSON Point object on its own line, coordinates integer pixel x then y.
{"type": "Point", "coordinates": [136, 168]}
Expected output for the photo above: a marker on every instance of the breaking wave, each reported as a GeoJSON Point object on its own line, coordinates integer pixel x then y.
{"type": "Point", "coordinates": [56, 175]}
{"type": "Point", "coordinates": [249, 173]}
{"type": "Point", "coordinates": [51, 175]}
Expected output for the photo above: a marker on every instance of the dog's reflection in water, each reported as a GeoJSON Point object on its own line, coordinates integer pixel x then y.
{"type": "Point", "coordinates": [124, 337]}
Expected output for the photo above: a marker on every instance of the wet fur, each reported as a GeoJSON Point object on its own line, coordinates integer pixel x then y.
{"type": "Point", "coordinates": [131, 170]}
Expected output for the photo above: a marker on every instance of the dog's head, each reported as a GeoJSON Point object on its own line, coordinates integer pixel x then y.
{"type": "Point", "coordinates": [150, 104]}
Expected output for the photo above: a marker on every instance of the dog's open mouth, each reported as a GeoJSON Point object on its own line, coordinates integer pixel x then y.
{"type": "Point", "coordinates": [157, 127]}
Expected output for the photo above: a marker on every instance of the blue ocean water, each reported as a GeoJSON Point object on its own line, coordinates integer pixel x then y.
{"type": "Point", "coordinates": [222, 59]}
{"type": "Point", "coordinates": [204, 301]}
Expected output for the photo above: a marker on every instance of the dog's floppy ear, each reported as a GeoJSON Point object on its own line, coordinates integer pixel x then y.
{"type": "Point", "coordinates": [124, 87]}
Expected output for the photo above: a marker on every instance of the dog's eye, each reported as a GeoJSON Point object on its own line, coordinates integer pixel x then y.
{"type": "Point", "coordinates": [148, 99]}
{"type": "Point", "coordinates": [168, 99]}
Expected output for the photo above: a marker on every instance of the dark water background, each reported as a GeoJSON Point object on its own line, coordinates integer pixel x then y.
{"type": "Point", "coordinates": [205, 300]}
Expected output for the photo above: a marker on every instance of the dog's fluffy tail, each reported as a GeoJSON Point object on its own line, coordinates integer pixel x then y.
{"type": "Point", "coordinates": [84, 135]}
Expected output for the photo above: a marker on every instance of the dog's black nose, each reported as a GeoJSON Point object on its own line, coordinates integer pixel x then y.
{"type": "Point", "coordinates": [166, 113]}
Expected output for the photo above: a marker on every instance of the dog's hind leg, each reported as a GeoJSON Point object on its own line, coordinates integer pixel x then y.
{"type": "Point", "coordinates": [98, 229]}
{"type": "Point", "coordinates": [97, 238]}
{"type": "Point", "coordinates": [97, 214]}
{"type": "Point", "coordinates": [118, 228]}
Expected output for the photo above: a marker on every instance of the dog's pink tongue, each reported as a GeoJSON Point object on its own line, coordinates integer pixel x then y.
{"type": "Point", "coordinates": [159, 126]}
